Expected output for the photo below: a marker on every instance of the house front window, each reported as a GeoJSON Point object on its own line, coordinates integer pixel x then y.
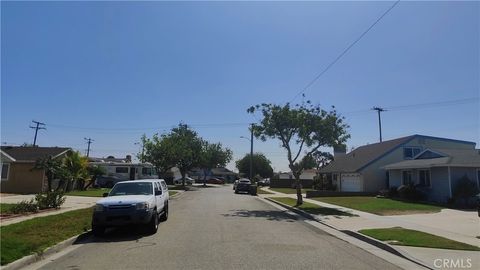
{"type": "Point", "coordinates": [410, 152]}
{"type": "Point", "coordinates": [424, 178]}
{"type": "Point", "coordinates": [406, 177]}
{"type": "Point", "coordinates": [121, 169]}
{"type": "Point", "coordinates": [5, 170]}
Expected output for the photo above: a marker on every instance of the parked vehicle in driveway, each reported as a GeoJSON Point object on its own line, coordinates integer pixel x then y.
{"type": "Point", "coordinates": [140, 202]}
{"type": "Point", "coordinates": [188, 181]}
{"type": "Point", "coordinates": [215, 181]}
{"type": "Point", "coordinates": [264, 182]}
{"type": "Point", "coordinates": [235, 184]}
{"type": "Point", "coordinates": [243, 185]}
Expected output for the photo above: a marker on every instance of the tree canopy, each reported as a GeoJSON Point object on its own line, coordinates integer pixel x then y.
{"type": "Point", "coordinates": [300, 129]}
{"type": "Point", "coordinates": [261, 165]}
{"type": "Point", "coordinates": [183, 148]}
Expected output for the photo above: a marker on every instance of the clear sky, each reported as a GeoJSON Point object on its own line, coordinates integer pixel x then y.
{"type": "Point", "coordinates": [112, 71]}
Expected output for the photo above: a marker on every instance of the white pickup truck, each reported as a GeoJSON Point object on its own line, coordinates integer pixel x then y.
{"type": "Point", "coordinates": [142, 202]}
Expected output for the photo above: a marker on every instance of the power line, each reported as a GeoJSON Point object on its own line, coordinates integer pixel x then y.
{"type": "Point", "coordinates": [344, 52]}
{"type": "Point", "coordinates": [217, 125]}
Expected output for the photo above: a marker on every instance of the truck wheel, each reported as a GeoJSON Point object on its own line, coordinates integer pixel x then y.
{"type": "Point", "coordinates": [98, 230]}
{"type": "Point", "coordinates": [164, 216]}
{"type": "Point", "coordinates": [152, 226]}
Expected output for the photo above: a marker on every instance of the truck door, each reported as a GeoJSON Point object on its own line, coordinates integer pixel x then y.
{"type": "Point", "coordinates": [159, 194]}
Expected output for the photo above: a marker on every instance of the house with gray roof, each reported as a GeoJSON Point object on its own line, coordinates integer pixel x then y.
{"type": "Point", "coordinates": [17, 168]}
{"type": "Point", "coordinates": [436, 172]}
{"type": "Point", "coordinates": [364, 169]}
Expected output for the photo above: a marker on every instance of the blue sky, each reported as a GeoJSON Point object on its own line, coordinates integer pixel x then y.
{"type": "Point", "coordinates": [115, 70]}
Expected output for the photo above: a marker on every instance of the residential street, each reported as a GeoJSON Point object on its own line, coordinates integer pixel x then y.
{"type": "Point", "coordinates": [215, 229]}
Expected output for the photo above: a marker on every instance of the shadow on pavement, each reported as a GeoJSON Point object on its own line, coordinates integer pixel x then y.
{"type": "Point", "coordinates": [274, 215]}
{"type": "Point", "coordinates": [120, 234]}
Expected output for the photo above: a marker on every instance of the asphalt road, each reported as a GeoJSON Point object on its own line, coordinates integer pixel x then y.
{"type": "Point", "coordinates": [214, 228]}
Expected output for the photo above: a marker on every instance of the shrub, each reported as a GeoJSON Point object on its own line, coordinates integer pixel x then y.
{"type": "Point", "coordinates": [409, 192]}
{"type": "Point", "coordinates": [465, 189]}
{"type": "Point", "coordinates": [25, 207]}
{"type": "Point", "coordinates": [53, 199]}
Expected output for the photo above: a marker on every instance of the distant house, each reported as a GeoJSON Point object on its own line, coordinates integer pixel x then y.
{"type": "Point", "coordinates": [228, 175]}
{"type": "Point", "coordinates": [287, 179]}
{"type": "Point", "coordinates": [364, 169]}
{"type": "Point", "coordinates": [437, 171]}
{"type": "Point", "coordinates": [18, 175]}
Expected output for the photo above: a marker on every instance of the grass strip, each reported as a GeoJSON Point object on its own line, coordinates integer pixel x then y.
{"type": "Point", "coordinates": [406, 237]}
{"type": "Point", "coordinates": [261, 191]}
{"type": "Point", "coordinates": [312, 208]}
{"type": "Point", "coordinates": [93, 192]}
{"type": "Point", "coordinates": [290, 190]}
{"type": "Point", "coordinates": [380, 206]}
{"type": "Point", "coordinates": [6, 208]}
{"type": "Point", "coordinates": [35, 235]}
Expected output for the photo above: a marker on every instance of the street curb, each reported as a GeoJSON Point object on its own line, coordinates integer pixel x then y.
{"type": "Point", "coordinates": [30, 259]}
{"type": "Point", "coordinates": [361, 237]}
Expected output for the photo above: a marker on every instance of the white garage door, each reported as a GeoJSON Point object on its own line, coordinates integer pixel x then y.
{"type": "Point", "coordinates": [351, 182]}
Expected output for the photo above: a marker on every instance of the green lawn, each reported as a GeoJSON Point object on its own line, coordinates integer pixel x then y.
{"type": "Point", "coordinates": [92, 192]}
{"type": "Point", "coordinates": [380, 206]}
{"type": "Point", "coordinates": [5, 208]}
{"type": "Point", "coordinates": [312, 208]}
{"type": "Point", "coordinates": [35, 235]}
{"type": "Point", "coordinates": [261, 191]}
{"type": "Point", "coordinates": [290, 190]}
{"type": "Point", "coordinates": [171, 193]}
{"type": "Point", "coordinates": [405, 237]}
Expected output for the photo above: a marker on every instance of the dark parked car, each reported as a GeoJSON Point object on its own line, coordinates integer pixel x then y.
{"type": "Point", "coordinates": [216, 181]}
{"type": "Point", "coordinates": [243, 185]}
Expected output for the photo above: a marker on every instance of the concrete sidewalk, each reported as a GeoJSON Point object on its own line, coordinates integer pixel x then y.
{"type": "Point", "coordinates": [71, 203]}
{"type": "Point", "coordinates": [461, 226]}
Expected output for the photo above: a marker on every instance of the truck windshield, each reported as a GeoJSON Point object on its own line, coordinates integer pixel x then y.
{"type": "Point", "coordinates": [132, 189]}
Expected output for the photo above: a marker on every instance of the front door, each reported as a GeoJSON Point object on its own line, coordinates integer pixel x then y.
{"type": "Point", "coordinates": [132, 173]}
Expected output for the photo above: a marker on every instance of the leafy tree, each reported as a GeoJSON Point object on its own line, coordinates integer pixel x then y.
{"type": "Point", "coordinates": [261, 165]}
{"type": "Point", "coordinates": [186, 148]}
{"type": "Point", "coordinates": [213, 155]}
{"type": "Point", "coordinates": [52, 167]}
{"type": "Point", "coordinates": [158, 151]}
{"type": "Point", "coordinates": [181, 148]}
{"type": "Point", "coordinates": [299, 128]}
{"type": "Point", "coordinates": [321, 159]}
{"type": "Point", "coordinates": [94, 172]}
{"type": "Point", "coordinates": [76, 168]}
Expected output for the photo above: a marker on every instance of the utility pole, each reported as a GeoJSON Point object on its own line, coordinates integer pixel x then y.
{"type": "Point", "coordinates": [39, 125]}
{"type": "Point", "coordinates": [251, 152]}
{"type": "Point", "coordinates": [379, 110]}
{"type": "Point", "coordinates": [89, 141]}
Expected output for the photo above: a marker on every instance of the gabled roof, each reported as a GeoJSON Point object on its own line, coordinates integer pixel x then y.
{"type": "Point", "coordinates": [363, 156]}
{"type": "Point", "coordinates": [451, 158]}
{"type": "Point", "coordinates": [31, 154]}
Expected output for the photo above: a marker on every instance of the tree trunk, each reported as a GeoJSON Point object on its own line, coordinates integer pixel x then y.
{"type": "Point", "coordinates": [183, 179]}
{"type": "Point", "coordinates": [205, 177]}
{"type": "Point", "coordinates": [298, 186]}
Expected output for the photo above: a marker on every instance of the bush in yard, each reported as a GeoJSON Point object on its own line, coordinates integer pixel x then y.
{"type": "Point", "coordinates": [465, 189]}
{"type": "Point", "coordinates": [410, 192]}
{"type": "Point", "coordinates": [25, 207]}
{"type": "Point", "coordinates": [53, 199]}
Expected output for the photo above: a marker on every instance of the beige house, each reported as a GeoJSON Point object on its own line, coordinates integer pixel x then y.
{"type": "Point", "coordinates": [17, 163]}
{"type": "Point", "coordinates": [364, 169]}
